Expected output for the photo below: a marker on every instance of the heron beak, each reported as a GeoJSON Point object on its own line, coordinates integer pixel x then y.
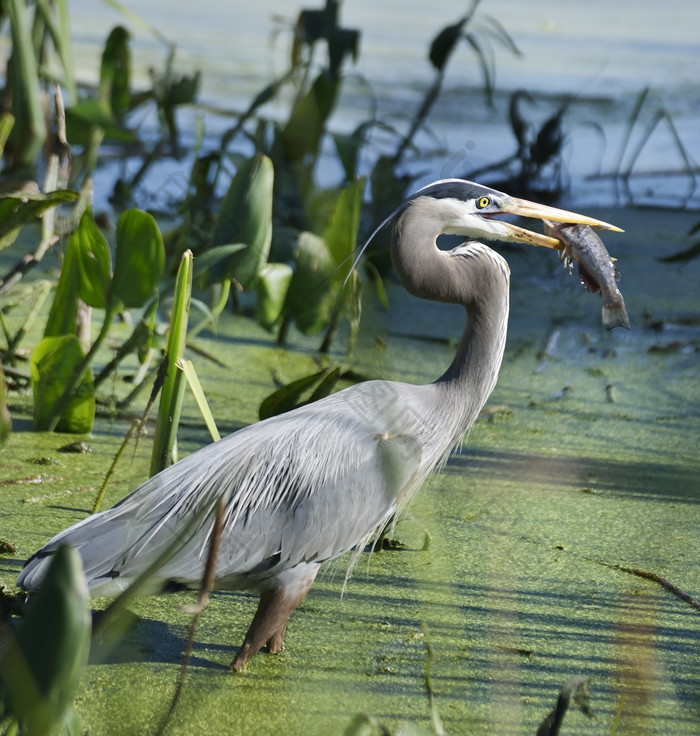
{"type": "Point", "coordinates": [524, 208]}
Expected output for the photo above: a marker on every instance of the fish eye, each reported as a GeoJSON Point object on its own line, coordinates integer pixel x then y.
{"type": "Point", "coordinates": [483, 202]}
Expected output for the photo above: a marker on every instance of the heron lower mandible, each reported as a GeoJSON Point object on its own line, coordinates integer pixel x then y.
{"type": "Point", "coordinates": [305, 487]}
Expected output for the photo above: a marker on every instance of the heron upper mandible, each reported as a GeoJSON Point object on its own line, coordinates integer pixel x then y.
{"type": "Point", "coordinates": [307, 486]}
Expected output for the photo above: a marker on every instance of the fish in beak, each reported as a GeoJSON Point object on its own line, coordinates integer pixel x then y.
{"type": "Point", "coordinates": [523, 208]}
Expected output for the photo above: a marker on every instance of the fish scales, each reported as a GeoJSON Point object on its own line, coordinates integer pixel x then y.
{"type": "Point", "coordinates": [595, 266]}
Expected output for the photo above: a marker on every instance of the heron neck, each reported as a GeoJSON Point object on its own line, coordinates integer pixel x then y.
{"type": "Point", "coordinates": [477, 278]}
{"type": "Point", "coordinates": [478, 359]}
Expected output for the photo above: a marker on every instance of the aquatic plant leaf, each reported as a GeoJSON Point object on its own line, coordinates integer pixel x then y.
{"type": "Point", "coordinates": [187, 367]}
{"type": "Point", "coordinates": [289, 397]}
{"type": "Point", "coordinates": [29, 133]}
{"type": "Point", "coordinates": [43, 662]}
{"type": "Point", "coordinates": [342, 42]}
{"type": "Point", "coordinates": [341, 234]}
{"type": "Point", "coordinates": [313, 289]}
{"type": "Point", "coordinates": [550, 138]}
{"type": "Point", "coordinates": [444, 43]}
{"type": "Point", "coordinates": [518, 123]}
{"type": "Point", "coordinates": [272, 286]}
{"type": "Point", "coordinates": [86, 115]}
{"type": "Point", "coordinates": [184, 90]}
{"type": "Point", "coordinates": [59, 29]}
{"type": "Point", "coordinates": [5, 419]}
{"type": "Point", "coordinates": [64, 309]}
{"type": "Point", "coordinates": [139, 258]}
{"type": "Point", "coordinates": [348, 148]}
{"type": "Point", "coordinates": [326, 386]}
{"type": "Point", "coordinates": [171, 396]}
{"type": "Point", "coordinates": [211, 257]}
{"type": "Point", "coordinates": [302, 134]}
{"type": "Point", "coordinates": [7, 122]}
{"type": "Point", "coordinates": [19, 208]}
{"type": "Point", "coordinates": [314, 25]}
{"type": "Point", "coordinates": [486, 64]}
{"type": "Point", "coordinates": [245, 217]}
{"type": "Point", "coordinates": [498, 32]}
{"type": "Point", "coordinates": [54, 361]}
{"type": "Point", "coordinates": [115, 73]}
{"type": "Point", "coordinates": [681, 256]}
{"type": "Point", "coordinates": [93, 262]}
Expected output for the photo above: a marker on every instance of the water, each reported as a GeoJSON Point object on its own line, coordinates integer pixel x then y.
{"type": "Point", "coordinates": [551, 481]}
{"type": "Point", "coordinates": [603, 53]}
{"type": "Point", "coordinates": [511, 593]}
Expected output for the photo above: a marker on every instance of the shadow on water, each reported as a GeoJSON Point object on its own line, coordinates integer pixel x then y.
{"type": "Point", "coordinates": [644, 479]}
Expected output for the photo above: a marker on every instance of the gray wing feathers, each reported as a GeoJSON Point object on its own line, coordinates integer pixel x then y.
{"type": "Point", "coordinates": [287, 499]}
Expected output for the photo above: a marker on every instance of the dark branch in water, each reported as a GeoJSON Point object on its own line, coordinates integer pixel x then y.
{"type": "Point", "coordinates": [670, 587]}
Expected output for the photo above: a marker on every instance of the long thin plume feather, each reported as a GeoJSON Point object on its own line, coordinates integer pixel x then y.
{"type": "Point", "coordinates": [360, 251]}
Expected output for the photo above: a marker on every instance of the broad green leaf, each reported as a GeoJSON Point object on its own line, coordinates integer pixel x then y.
{"type": "Point", "coordinates": [203, 265]}
{"type": "Point", "coordinates": [53, 362]}
{"type": "Point", "coordinates": [115, 73]}
{"type": "Point", "coordinates": [272, 287]}
{"type": "Point", "coordinates": [41, 666]}
{"type": "Point", "coordinates": [64, 309]}
{"type": "Point", "coordinates": [93, 262]}
{"type": "Point", "coordinates": [184, 90]}
{"type": "Point", "coordinates": [341, 235]}
{"type": "Point", "coordinates": [326, 386]}
{"type": "Point", "coordinates": [444, 44]}
{"type": "Point", "coordinates": [313, 290]}
{"type": "Point", "coordinates": [304, 130]}
{"type": "Point", "coordinates": [29, 133]}
{"type": "Point", "coordinates": [19, 208]}
{"type": "Point", "coordinates": [245, 216]}
{"type": "Point", "coordinates": [290, 396]}
{"type": "Point", "coordinates": [139, 258]}
{"type": "Point", "coordinates": [83, 117]}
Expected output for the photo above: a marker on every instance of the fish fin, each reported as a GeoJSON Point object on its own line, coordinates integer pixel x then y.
{"type": "Point", "coordinates": [615, 316]}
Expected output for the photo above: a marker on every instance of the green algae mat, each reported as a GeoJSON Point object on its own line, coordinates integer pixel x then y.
{"type": "Point", "coordinates": [562, 540]}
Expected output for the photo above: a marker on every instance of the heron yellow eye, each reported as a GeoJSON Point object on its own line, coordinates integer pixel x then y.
{"type": "Point", "coordinates": [483, 202]}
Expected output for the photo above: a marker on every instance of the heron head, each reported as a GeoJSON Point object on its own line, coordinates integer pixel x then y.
{"type": "Point", "coordinates": [463, 207]}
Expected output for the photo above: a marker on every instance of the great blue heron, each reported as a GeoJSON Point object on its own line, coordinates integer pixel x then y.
{"type": "Point", "coordinates": [305, 487]}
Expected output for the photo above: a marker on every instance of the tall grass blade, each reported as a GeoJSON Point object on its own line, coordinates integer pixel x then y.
{"type": "Point", "coordinates": [171, 397]}
{"type": "Point", "coordinates": [187, 367]}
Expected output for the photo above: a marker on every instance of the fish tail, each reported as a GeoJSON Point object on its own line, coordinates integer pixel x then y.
{"type": "Point", "coordinates": [615, 315]}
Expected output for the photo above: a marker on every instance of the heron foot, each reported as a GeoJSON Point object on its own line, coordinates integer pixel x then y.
{"type": "Point", "coordinates": [270, 621]}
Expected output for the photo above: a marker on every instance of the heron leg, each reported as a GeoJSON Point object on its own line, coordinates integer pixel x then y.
{"type": "Point", "coordinates": [270, 621]}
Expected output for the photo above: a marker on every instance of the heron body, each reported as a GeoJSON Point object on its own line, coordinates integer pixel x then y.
{"type": "Point", "coordinates": [308, 486]}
